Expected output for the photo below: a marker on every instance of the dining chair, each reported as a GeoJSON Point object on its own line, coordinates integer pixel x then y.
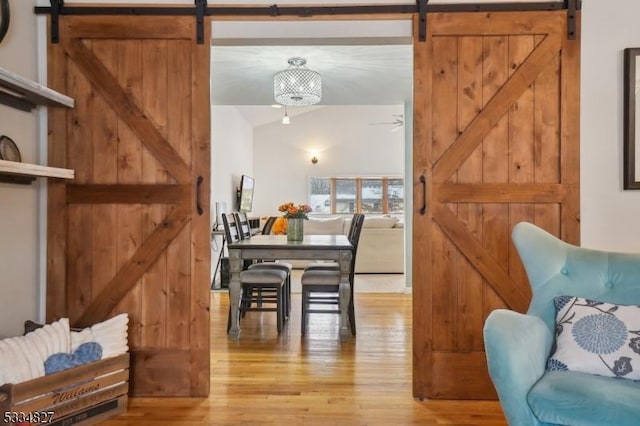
{"type": "Point", "coordinates": [268, 224]}
{"type": "Point", "coordinates": [320, 285]}
{"type": "Point", "coordinates": [270, 279]}
{"type": "Point", "coordinates": [333, 265]}
{"type": "Point", "coordinates": [244, 230]}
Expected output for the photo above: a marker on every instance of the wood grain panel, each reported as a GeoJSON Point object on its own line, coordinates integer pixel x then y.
{"type": "Point", "coordinates": [495, 147]}
{"type": "Point", "coordinates": [146, 143]}
{"type": "Point", "coordinates": [179, 133]}
{"type": "Point", "coordinates": [200, 221]}
{"type": "Point", "coordinates": [521, 148]}
{"type": "Point", "coordinates": [128, 194]}
{"type": "Point", "coordinates": [481, 258]}
{"type": "Point", "coordinates": [129, 76]}
{"type": "Point", "coordinates": [444, 313]}
{"type": "Point", "coordinates": [547, 141]}
{"type": "Point", "coordinates": [165, 372]}
{"type": "Point", "coordinates": [445, 82]}
{"type": "Point", "coordinates": [56, 199]}
{"type": "Point", "coordinates": [490, 178]}
{"type": "Point", "coordinates": [499, 193]}
{"type": "Point", "coordinates": [469, 96]}
{"type": "Point", "coordinates": [497, 23]}
{"type": "Point", "coordinates": [154, 103]}
{"type": "Point", "coordinates": [570, 131]}
{"type": "Point", "coordinates": [495, 108]}
{"type": "Point", "coordinates": [105, 172]}
{"type": "Point", "coordinates": [140, 262]}
{"type": "Point", "coordinates": [128, 109]}
{"type": "Point", "coordinates": [80, 220]}
{"type": "Point", "coordinates": [422, 278]}
{"type": "Point", "coordinates": [124, 27]}
{"type": "Point", "coordinates": [449, 367]}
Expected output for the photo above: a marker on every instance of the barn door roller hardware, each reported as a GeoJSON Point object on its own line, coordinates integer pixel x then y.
{"type": "Point", "coordinates": [201, 9]}
{"type": "Point", "coordinates": [56, 9]}
{"type": "Point", "coordinates": [422, 19]}
{"type": "Point", "coordinates": [201, 6]}
{"type": "Point", "coordinates": [572, 6]}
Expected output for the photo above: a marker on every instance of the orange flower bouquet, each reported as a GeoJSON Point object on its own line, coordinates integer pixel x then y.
{"type": "Point", "coordinates": [293, 218]}
{"type": "Point", "coordinates": [291, 211]}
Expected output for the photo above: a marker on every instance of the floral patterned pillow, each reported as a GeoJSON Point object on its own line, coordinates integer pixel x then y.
{"type": "Point", "coordinates": [596, 337]}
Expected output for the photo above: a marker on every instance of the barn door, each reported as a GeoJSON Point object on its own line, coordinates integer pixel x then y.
{"type": "Point", "coordinates": [496, 117]}
{"type": "Point", "coordinates": [126, 235]}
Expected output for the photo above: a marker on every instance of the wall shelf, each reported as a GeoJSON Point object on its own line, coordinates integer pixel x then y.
{"type": "Point", "coordinates": [24, 94]}
{"type": "Point", "coordinates": [25, 173]}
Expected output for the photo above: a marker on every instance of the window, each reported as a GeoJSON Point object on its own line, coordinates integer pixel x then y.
{"type": "Point", "coordinates": [338, 195]}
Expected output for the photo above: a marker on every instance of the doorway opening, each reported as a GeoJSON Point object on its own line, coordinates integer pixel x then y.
{"type": "Point", "coordinates": [351, 152]}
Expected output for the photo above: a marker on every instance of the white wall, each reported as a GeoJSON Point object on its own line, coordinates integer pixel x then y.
{"type": "Point", "coordinates": [341, 138]}
{"type": "Point", "coordinates": [610, 215]}
{"type": "Point", "coordinates": [19, 203]}
{"type": "Point", "coordinates": [231, 154]}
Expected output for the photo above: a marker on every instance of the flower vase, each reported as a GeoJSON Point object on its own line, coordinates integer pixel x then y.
{"type": "Point", "coordinates": [295, 229]}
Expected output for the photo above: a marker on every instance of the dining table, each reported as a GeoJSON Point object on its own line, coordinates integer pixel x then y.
{"type": "Point", "coordinates": [274, 247]}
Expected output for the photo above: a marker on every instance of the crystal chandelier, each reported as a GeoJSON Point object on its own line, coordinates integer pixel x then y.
{"type": "Point", "coordinates": [297, 85]}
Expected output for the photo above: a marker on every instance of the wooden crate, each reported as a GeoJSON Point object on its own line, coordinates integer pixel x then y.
{"type": "Point", "coordinates": [82, 395]}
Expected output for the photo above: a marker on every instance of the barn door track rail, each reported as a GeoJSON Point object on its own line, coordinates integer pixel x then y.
{"type": "Point", "coordinates": [200, 9]}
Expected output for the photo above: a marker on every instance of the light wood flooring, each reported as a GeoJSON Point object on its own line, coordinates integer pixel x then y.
{"type": "Point", "coordinates": [266, 379]}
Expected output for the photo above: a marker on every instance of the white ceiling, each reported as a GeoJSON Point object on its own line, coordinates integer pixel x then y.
{"type": "Point", "coordinates": [351, 75]}
{"type": "Point", "coordinates": [360, 63]}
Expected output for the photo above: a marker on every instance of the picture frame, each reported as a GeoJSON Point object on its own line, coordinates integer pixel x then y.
{"type": "Point", "coordinates": [631, 154]}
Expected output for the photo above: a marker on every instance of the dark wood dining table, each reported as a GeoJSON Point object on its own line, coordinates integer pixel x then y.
{"type": "Point", "coordinates": [274, 247]}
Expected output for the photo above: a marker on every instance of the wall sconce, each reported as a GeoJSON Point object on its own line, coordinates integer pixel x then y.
{"type": "Point", "coordinates": [314, 160]}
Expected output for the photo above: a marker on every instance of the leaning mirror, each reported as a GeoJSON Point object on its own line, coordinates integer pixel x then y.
{"type": "Point", "coordinates": [631, 118]}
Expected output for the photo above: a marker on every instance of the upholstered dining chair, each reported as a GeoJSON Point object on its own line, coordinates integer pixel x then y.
{"type": "Point", "coordinates": [579, 296]}
{"type": "Point", "coordinates": [320, 283]}
{"type": "Point", "coordinates": [244, 230]}
{"type": "Point", "coordinates": [271, 280]}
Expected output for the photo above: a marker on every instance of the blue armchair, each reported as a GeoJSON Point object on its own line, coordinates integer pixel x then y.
{"type": "Point", "coordinates": [518, 345]}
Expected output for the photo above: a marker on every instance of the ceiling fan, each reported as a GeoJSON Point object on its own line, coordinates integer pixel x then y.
{"type": "Point", "coordinates": [397, 123]}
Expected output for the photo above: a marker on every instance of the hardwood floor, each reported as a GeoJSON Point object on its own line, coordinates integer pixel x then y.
{"type": "Point", "coordinates": [287, 380]}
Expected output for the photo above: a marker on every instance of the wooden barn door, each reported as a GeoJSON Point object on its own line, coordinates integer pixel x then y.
{"type": "Point", "coordinates": [496, 140]}
{"type": "Point", "coordinates": [126, 234]}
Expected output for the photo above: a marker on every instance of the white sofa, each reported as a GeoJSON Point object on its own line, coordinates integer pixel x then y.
{"type": "Point", "coordinates": [381, 246]}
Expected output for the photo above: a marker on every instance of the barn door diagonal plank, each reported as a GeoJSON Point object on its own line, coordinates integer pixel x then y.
{"type": "Point", "coordinates": [473, 250]}
{"type": "Point", "coordinates": [499, 104]}
{"type": "Point", "coordinates": [131, 271]}
{"type": "Point", "coordinates": [108, 86]}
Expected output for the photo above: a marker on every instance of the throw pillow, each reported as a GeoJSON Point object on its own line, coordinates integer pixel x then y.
{"type": "Point", "coordinates": [596, 337]}
{"type": "Point", "coordinates": [86, 353]}
{"type": "Point", "coordinates": [379, 222]}
{"type": "Point", "coordinates": [324, 226]}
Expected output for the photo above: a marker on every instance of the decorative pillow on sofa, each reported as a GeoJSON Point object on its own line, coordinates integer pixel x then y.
{"type": "Point", "coordinates": [596, 337]}
{"type": "Point", "coordinates": [379, 222]}
{"type": "Point", "coordinates": [324, 226]}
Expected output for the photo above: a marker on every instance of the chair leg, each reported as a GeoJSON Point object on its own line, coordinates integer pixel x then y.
{"type": "Point", "coordinates": [288, 295]}
{"type": "Point", "coordinates": [303, 319]}
{"type": "Point", "coordinates": [352, 317]}
{"type": "Point", "coordinates": [280, 308]}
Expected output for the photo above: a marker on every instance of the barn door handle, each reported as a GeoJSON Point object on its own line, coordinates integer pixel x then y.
{"type": "Point", "coordinates": [423, 181]}
{"type": "Point", "coordinates": [198, 195]}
